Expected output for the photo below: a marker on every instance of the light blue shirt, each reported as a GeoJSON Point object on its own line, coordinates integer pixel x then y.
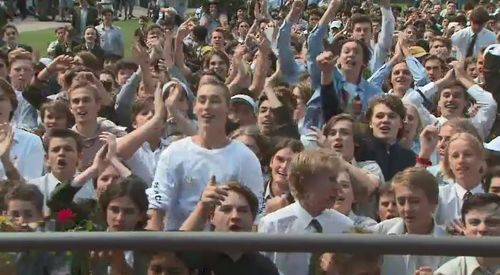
{"type": "Point", "coordinates": [291, 68]}
{"type": "Point", "coordinates": [462, 39]}
{"type": "Point", "coordinates": [111, 40]}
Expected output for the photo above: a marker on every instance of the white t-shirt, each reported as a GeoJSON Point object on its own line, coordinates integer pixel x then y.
{"type": "Point", "coordinates": [185, 168]}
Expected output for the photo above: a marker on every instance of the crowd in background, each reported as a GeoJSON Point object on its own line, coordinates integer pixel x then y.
{"type": "Point", "coordinates": [282, 117]}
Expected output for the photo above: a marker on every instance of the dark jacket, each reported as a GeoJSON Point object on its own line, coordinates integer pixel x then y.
{"type": "Point", "coordinates": [97, 51]}
{"type": "Point", "coordinates": [92, 20]}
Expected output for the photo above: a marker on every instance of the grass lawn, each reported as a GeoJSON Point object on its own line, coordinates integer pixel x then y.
{"type": "Point", "coordinates": [40, 40]}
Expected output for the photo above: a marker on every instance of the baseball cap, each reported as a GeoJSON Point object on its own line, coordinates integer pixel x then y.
{"type": "Point", "coordinates": [244, 99]}
{"type": "Point", "coordinates": [418, 51]}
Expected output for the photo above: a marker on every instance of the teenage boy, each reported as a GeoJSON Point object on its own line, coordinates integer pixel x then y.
{"type": "Point", "coordinates": [453, 90]}
{"type": "Point", "coordinates": [84, 105]}
{"type": "Point", "coordinates": [24, 206]}
{"type": "Point", "coordinates": [111, 36]}
{"type": "Point", "coordinates": [416, 192]}
{"type": "Point", "coordinates": [228, 208]}
{"type": "Point", "coordinates": [481, 217]}
{"type": "Point", "coordinates": [21, 72]}
{"type": "Point", "coordinates": [26, 152]}
{"type": "Point", "coordinates": [187, 165]}
{"type": "Point", "coordinates": [63, 151]}
{"type": "Point", "coordinates": [313, 183]}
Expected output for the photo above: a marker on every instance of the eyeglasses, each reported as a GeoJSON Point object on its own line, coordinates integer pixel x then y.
{"type": "Point", "coordinates": [10, 33]}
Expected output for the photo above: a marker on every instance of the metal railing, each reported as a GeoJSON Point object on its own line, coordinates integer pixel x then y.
{"type": "Point", "coordinates": [211, 241]}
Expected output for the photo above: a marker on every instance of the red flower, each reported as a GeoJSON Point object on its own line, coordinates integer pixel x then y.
{"type": "Point", "coordinates": [64, 216]}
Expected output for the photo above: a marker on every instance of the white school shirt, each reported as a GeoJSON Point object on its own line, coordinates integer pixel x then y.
{"type": "Point", "coordinates": [407, 264]}
{"type": "Point", "coordinates": [185, 168]}
{"type": "Point", "coordinates": [144, 161]}
{"type": "Point", "coordinates": [293, 219]}
{"type": "Point", "coordinates": [451, 202]}
{"type": "Point", "coordinates": [47, 183]}
{"type": "Point", "coordinates": [463, 265]}
{"type": "Point", "coordinates": [462, 39]}
{"type": "Point", "coordinates": [27, 155]}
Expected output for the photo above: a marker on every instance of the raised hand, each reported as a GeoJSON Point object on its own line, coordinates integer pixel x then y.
{"type": "Point", "coordinates": [428, 141]}
{"type": "Point", "coordinates": [159, 104]}
{"type": "Point", "coordinates": [110, 140]}
{"type": "Point", "coordinates": [185, 28]}
{"type": "Point", "coordinates": [213, 195]}
{"type": "Point", "coordinates": [296, 10]}
{"type": "Point", "coordinates": [60, 64]}
{"type": "Point", "coordinates": [326, 62]}
{"type": "Point", "coordinates": [424, 270]}
{"type": "Point", "coordinates": [6, 137]}
{"type": "Point", "coordinates": [140, 54]}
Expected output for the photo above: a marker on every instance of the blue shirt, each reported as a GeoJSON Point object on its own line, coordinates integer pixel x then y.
{"type": "Point", "coordinates": [111, 40]}
{"type": "Point", "coordinates": [291, 68]}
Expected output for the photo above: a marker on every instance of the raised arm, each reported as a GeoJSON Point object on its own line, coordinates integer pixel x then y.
{"type": "Point", "coordinates": [211, 197]}
{"type": "Point", "coordinates": [130, 143]}
{"type": "Point", "coordinates": [6, 138]}
{"type": "Point", "coordinates": [385, 38]}
{"type": "Point", "coordinates": [289, 66]}
{"type": "Point", "coordinates": [184, 29]}
{"type": "Point", "coordinates": [261, 68]}
{"type": "Point", "coordinates": [315, 41]}
{"type": "Point", "coordinates": [486, 115]}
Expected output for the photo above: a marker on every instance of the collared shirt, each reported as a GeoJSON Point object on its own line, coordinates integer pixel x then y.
{"type": "Point", "coordinates": [407, 264]}
{"type": "Point", "coordinates": [27, 155]}
{"type": "Point", "coordinates": [185, 168]}
{"type": "Point", "coordinates": [463, 265]}
{"type": "Point", "coordinates": [111, 40]}
{"type": "Point", "coordinates": [451, 200]}
{"type": "Point", "coordinates": [25, 116]}
{"type": "Point", "coordinates": [462, 39]}
{"type": "Point", "coordinates": [361, 221]}
{"type": "Point", "coordinates": [48, 183]}
{"type": "Point", "coordinates": [294, 219]}
{"type": "Point", "coordinates": [484, 118]}
{"type": "Point", "coordinates": [144, 161]}
{"type": "Point", "coordinates": [364, 90]}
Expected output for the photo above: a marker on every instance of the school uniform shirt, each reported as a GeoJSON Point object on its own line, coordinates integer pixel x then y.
{"type": "Point", "coordinates": [48, 183]}
{"type": "Point", "coordinates": [462, 39]}
{"type": "Point", "coordinates": [407, 264]}
{"type": "Point", "coordinates": [293, 219]}
{"type": "Point", "coordinates": [463, 265]}
{"type": "Point", "coordinates": [451, 200]}
{"type": "Point", "coordinates": [185, 168]}
{"type": "Point", "coordinates": [27, 155]}
{"type": "Point", "coordinates": [361, 221]}
{"type": "Point", "coordinates": [144, 161]}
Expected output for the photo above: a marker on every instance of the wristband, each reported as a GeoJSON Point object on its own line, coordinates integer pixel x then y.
{"type": "Point", "coordinates": [423, 161]}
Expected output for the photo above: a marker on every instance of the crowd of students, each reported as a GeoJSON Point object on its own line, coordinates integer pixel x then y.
{"type": "Point", "coordinates": [290, 117]}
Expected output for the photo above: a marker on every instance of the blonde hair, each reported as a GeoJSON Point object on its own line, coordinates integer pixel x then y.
{"type": "Point", "coordinates": [477, 146]}
{"type": "Point", "coordinates": [308, 163]}
{"type": "Point", "coordinates": [86, 85]}
{"type": "Point", "coordinates": [418, 177]}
